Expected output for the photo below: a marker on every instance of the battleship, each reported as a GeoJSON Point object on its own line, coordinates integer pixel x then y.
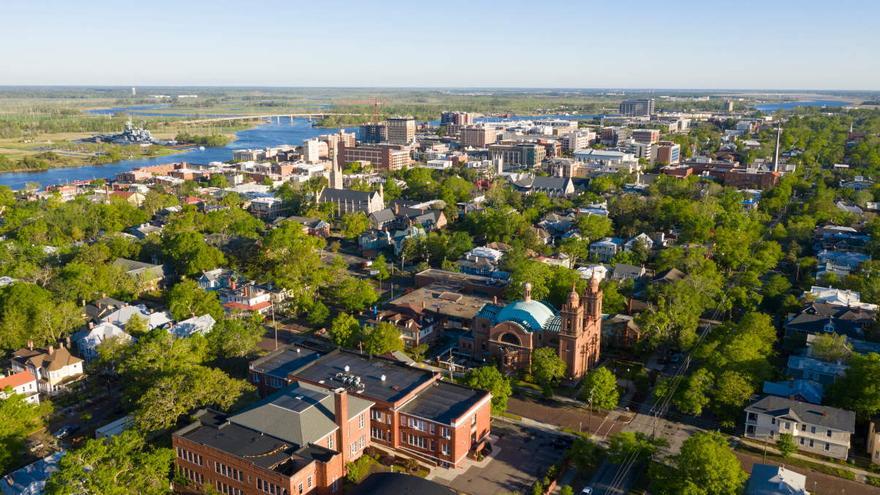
{"type": "Point", "coordinates": [129, 135]}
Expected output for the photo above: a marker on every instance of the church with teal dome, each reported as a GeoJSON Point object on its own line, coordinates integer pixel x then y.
{"type": "Point", "coordinates": [509, 334]}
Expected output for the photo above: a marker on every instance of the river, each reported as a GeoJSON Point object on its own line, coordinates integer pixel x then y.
{"type": "Point", "coordinates": [281, 130]}
{"type": "Point", "coordinates": [788, 105]}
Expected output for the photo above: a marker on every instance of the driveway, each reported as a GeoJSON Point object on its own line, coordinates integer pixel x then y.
{"type": "Point", "coordinates": [520, 455]}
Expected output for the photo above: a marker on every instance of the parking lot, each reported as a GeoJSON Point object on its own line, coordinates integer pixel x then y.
{"type": "Point", "coordinates": [520, 455]}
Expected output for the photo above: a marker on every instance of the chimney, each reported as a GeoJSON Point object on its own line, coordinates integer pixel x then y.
{"type": "Point", "coordinates": [30, 344]}
{"type": "Point", "coordinates": [51, 349]}
{"type": "Point", "coordinates": [340, 412]}
{"type": "Point", "coordinates": [67, 342]}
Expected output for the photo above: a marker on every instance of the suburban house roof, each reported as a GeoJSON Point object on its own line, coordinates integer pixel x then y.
{"type": "Point", "coordinates": [16, 379]}
{"type": "Point", "coordinates": [775, 480]}
{"type": "Point", "coordinates": [804, 412]}
{"type": "Point", "coordinates": [52, 359]}
{"type": "Point", "coordinates": [806, 390]}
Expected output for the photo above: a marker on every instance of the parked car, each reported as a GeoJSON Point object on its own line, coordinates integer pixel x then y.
{"type": "Point", "coordinates": [65, 431]}
{"type": "Point", "coordinates": [587, 490]}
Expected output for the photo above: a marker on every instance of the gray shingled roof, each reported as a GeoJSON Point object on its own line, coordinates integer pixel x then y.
{"type": "Point", "coordinates": [804, 412]}
{"type": "Point", "coordinates": [300, 414]}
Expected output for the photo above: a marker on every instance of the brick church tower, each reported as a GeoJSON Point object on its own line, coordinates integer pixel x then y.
{"type": "Point", "coordinates": [579, 337]}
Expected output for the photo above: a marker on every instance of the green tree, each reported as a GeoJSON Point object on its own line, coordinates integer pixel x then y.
{"type": "Point", "coordinates": [785, 444]}
{"type": "Point", "coordinates": [172, 396]}
{"type": "Point", "coordinates": [857, 390]}
{"type": "Point", "coordinates": [547, 368]}
{"type": "Point", "coordinates": [830, 347]}
{"type": "Point", "coordinates": [235, 337]}
{"type": "Point", "coordinates": [381, 339]}
{"type": "Point", "coordinates": [344, 329]}
{"type": "Point", "coordinates": [190, 254]}
{"type": "Point", "coordinates": [706, 465]}
{"type": "Point", "coordinates": [600, 389]}
{"type": "Point", "coordinates": [490, 379]}
{"type": "Point", "coordinates": [353, 294]}
{"type": "Point", "coordinates": [695, 395]}
{"type": "Point", "coordinates": [626, 443]}
{"type": "Point", "coordinates": [354, 224]}
{"type": "Point", "coordinates": [594, 227]}
{"type": "Point", "coordinates": [186, 300]}
{"type": "Point", "coordinates": [381, 267]}
{"type": "Point", "coordinates": [732, 391]}
{"type": "Point", "coordinates": [119, 465]}
{"type": "Point", "coordinates": [136, 325]}
{"type": "Point", "coordinates": [20, 419]}
{"type": "Point", "coordinates": [585, 455]}
{"type": "Point", "coordinates": [318, 314]}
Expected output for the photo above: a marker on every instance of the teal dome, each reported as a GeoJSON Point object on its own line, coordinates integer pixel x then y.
{"type": "Point", "coordinates": [534, 315]}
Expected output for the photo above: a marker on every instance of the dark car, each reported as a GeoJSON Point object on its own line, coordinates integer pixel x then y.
{"type": "Point", "coordinates": [65, 431]}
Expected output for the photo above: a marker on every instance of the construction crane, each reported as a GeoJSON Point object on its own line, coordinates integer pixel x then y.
{"type": "Point", "coordinates": [374, 102]}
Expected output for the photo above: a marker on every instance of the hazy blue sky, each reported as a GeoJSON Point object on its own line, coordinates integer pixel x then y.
{"type": "Point", "coordinates": [540, 43]}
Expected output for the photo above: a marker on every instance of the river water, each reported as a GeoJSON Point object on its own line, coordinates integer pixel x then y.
{"type": "Point", "coordinates": [281, 130]}
{"type": "Point", "coordinates": [788, 105]}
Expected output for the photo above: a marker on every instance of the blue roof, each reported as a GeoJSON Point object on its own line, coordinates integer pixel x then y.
{"type": "Point", "coordinates": [807, 390]}
{"type": "Point", "coordinates": [533, 315]}
{"type": "Point", "coordinates": [31, 478]}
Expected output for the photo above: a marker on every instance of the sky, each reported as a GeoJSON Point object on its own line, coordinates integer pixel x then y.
{"type": "Point", "coordinates": [693, 44]}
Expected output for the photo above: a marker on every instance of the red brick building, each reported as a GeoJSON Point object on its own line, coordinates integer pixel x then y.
{"type": "Point", "coordinates": [296, 441]}
{"type": "Point", "coordinates": [413, 410]}
{"type": "Point", "coordinates": [510, 334]}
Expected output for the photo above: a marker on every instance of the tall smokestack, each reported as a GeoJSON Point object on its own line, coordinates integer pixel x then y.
{"type": "Point", "coordinates": [776, 155]}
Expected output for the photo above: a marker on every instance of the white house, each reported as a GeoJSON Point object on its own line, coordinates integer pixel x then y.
{"type": "Point", "coordinates": [643, 238]}
{"type": "Point", "coordinates": [838, 297]}
{"type": "Point", "coordinates": [816, 429]}
{"type": "Point", "coordinates": [189, 327]}
{"type": "Point", "coordinates": [606, 248]}
{"type": "Point", "coordinates": [23, 383]}
{"type": "Point", "coordinates": [121, 316]}
{"type": "Point", "coordinates": [88, 340]}
{"type": "Point", "coordinates": [54, 369]}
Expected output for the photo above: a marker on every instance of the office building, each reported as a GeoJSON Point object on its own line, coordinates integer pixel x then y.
{"type": "Point", "coordinates": [527, 155]}
{"type": "Point", "coordinates": [646, 136]}
{"type": "Point", "coordinates": [401, 130]}
{"type": "Point", "coordinates": [640, 107]}
{"type": "Point", "coordinates": [478, 136]}
{"type": "Point", "coordinates": [667, 153]}
{"type": "Point", "coordinates": [313, 150]}
{"type": "Point", "coordinates": [383, 157]}
{"type": "Point", "coordinates": [456, 118]}
{"type": "Point", "coordinates": [373, 133]}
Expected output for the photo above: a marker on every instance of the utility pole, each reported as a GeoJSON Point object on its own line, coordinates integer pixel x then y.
{"type": "Point", "coordinates": [274, 325]}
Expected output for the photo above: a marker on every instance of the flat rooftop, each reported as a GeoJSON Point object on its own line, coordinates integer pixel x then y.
{"type": "Point", "coordinates": [444, 402]}
{"type": "Point", "coordinates": [281, 363]}
{"type": "Point", "coordinates": [399, 379]}
{"type": "Point", "coordinates": [442, 299]}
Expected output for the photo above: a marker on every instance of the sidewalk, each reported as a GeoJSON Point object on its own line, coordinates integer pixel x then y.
{"type": "Point", "coordinates": [860, 473]}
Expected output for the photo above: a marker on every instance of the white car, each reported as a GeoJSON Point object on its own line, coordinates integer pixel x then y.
{"type": "Point", "coordinates": [587, 491]}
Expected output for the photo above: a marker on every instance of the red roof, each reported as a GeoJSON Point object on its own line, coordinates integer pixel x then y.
{"type": "Point", "coordinates": [192, 200]}
{"type": "Point", "coordinates": [245, 307]}
{"type": "Point", "coordinates": [16, 380]}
